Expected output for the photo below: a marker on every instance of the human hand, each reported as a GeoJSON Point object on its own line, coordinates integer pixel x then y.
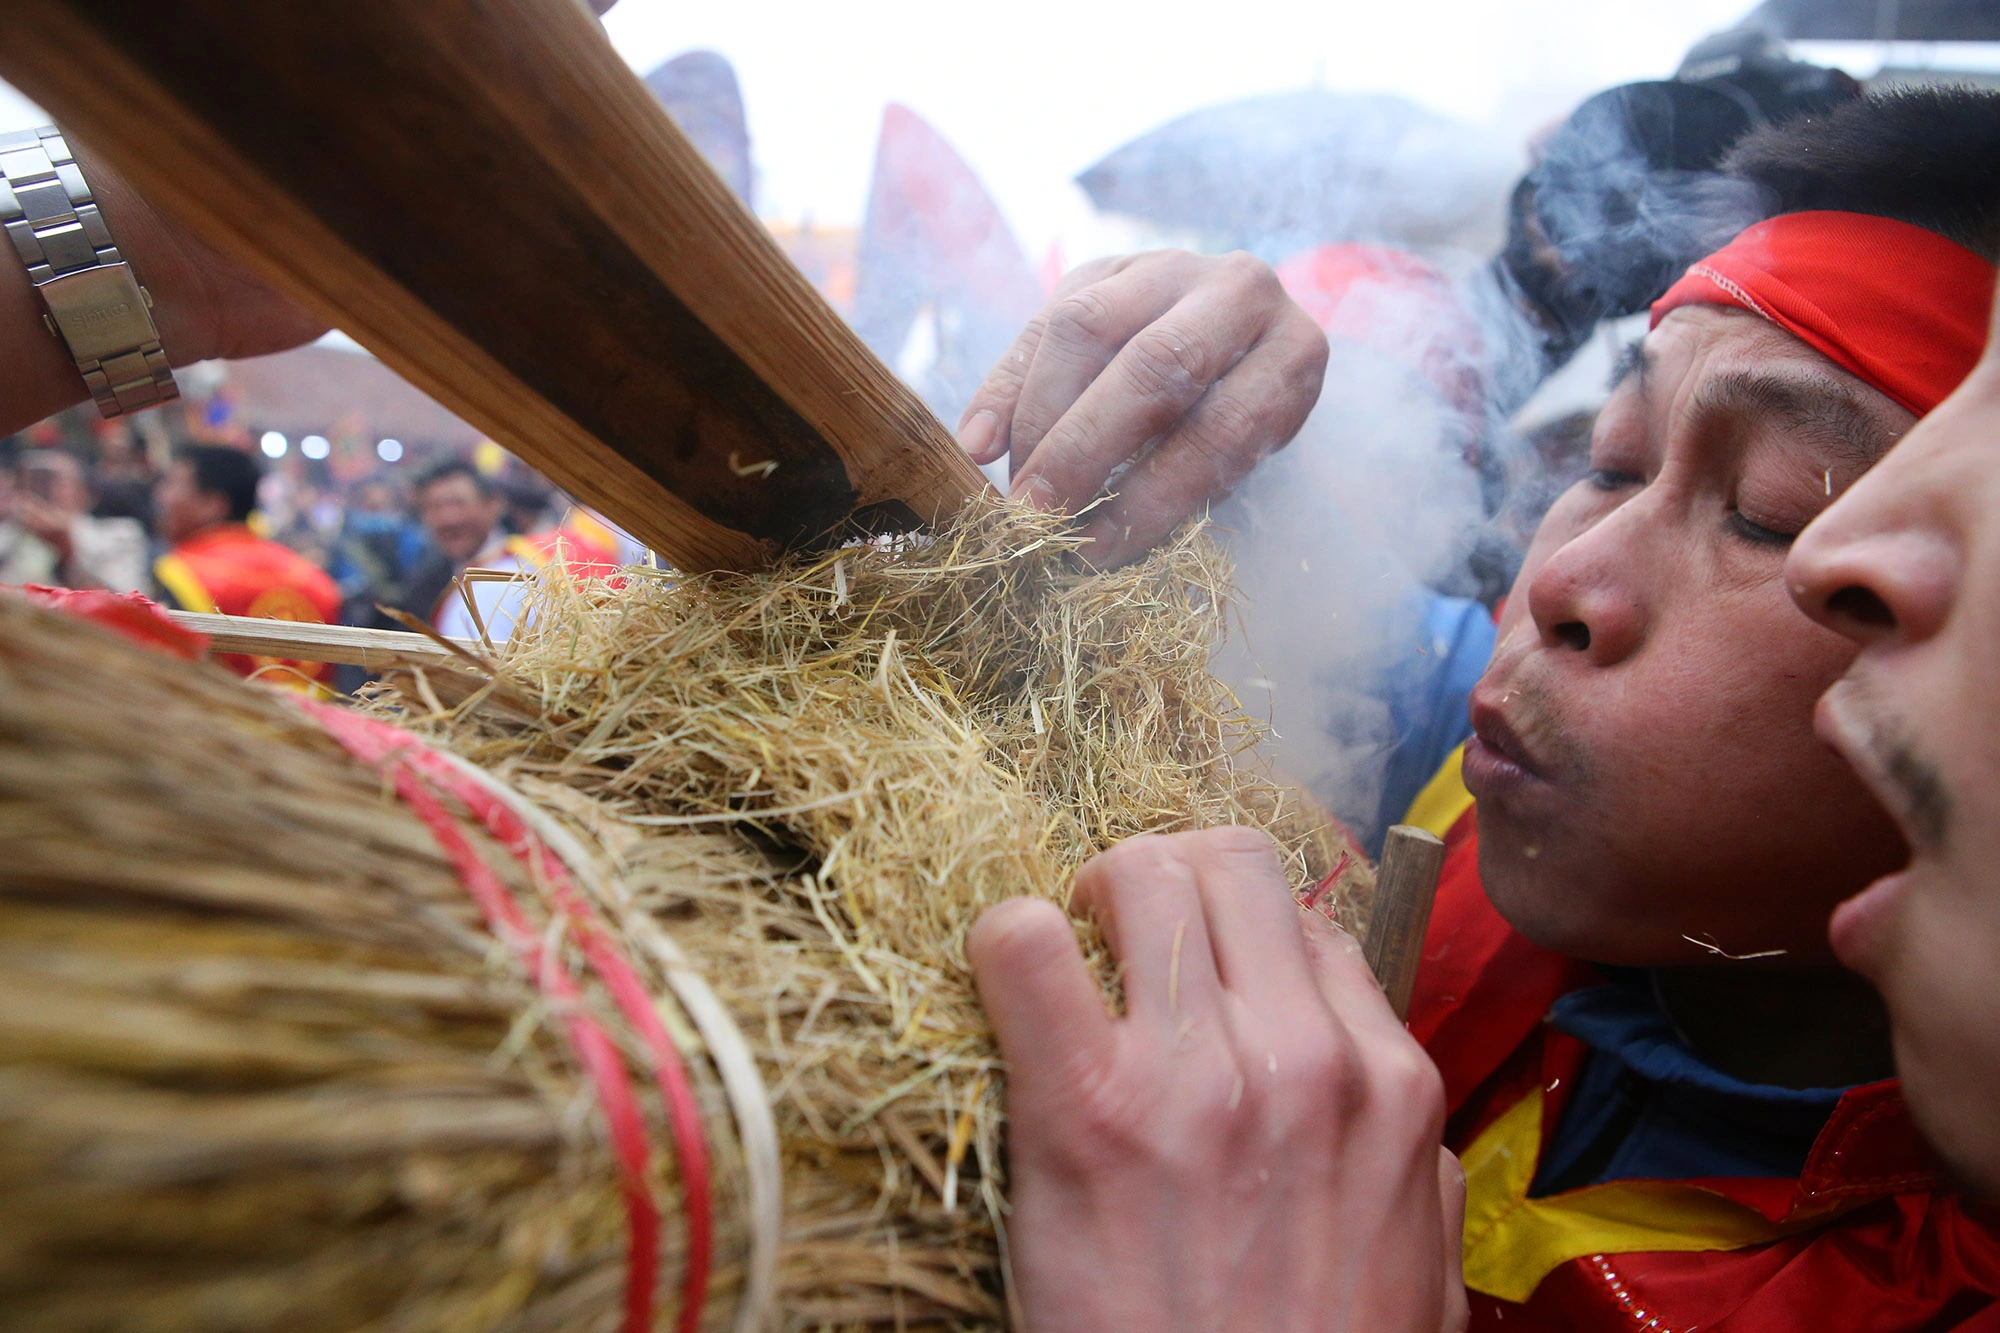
{"type": "Point", "coordinates": [1187, 367]}
{"type": "Point", "coordinates": [1254, 1145]}
{"type": "Point", "coordinates": [46, 520]}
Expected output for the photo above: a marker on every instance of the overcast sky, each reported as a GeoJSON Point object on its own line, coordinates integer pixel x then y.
{"type": "Point", "coordinates": [1033, 91]}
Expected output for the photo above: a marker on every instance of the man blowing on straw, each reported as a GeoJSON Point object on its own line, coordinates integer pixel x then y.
{"type": "Point", "coordinates": [1673, 1106]}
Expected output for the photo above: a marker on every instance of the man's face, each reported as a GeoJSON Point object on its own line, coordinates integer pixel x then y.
{"type": "Point", "coordinates": [1907, 566]}
{"type": "Point", "coordinates": [457, 515]}
{"type": "Point", "coordinates": [184, 508]}
{"type": "Point", "coordinates": [1650, 790]}
{"type": "Point", "coordinates": [65, 486]}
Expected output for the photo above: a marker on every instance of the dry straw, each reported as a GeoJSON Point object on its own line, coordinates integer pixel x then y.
{"type": "Point", "coordinates": [251, 1036]}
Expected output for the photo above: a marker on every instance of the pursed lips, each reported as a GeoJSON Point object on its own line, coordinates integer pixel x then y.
{"type": "Point", "coordinates": [1497, 733]}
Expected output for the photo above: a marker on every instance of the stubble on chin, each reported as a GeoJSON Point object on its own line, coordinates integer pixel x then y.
{"type": "Point", "coordinates": [1892, 759]}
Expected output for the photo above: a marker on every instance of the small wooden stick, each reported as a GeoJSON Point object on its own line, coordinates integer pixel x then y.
{"type": "Point", "coordinates": [302, 642]}
{"type": "Point", "coordinates": [1405, 886]}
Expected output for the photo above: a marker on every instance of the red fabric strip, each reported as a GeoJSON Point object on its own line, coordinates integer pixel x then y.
{"type": "Point", "coordinates": [399, 755]}
{"type": "Point", "coordinates": [1896, 305]}
{"type": "Point", "coordinates": [140, 619]}
{"type": "Point", "coordinates": [633, 1000]}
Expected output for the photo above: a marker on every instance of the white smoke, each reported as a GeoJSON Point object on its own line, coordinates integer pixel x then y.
{"type": "Point", "coordinates": [1333, 538]}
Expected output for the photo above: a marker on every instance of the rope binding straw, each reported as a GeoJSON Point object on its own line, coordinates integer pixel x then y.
{"type": "Point", "coordinates": [418, 773]}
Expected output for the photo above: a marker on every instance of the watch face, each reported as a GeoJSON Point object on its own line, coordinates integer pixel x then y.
{"type": "Point", "coordinates": [100, 311]}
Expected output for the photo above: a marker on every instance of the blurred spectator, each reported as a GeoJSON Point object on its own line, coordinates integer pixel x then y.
{"type": "Point", "coordinates": [529, 499]}
{"type": "Point", "coordinates": [376, 553]}
{"type": "Point", "coordinates": [461, 512]}
{"type": "Point", "coordinates": [1553, 456]}
{"type": "Point", "coordinates": [295, 511]}
{"type": "Point", "coordinates": [217, 564]}
{"type": "Point", "coordinates": [490, 608]}
{"type": "Point", "coordinates": [1629, 190]}
{"type": "Point", "coordinates": [124, 477]}
{"type": "Point", "coordinates": [24, 557]}
{"type": "Point", "coordinates": [58, 505]}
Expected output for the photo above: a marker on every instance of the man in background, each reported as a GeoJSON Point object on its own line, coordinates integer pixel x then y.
{"type": "Point", "coordinates": [217, 564]}
{"type": "Point", "coordinates": [124, 478]}
{"type": "Point", "coordinates": [24, 557]}
{"type": "Point", "coordinates": [378, 549]}
{"type": "Point", "coordinates": [461, 510]}
{"type": "Point", "coordinates": [58, 504]}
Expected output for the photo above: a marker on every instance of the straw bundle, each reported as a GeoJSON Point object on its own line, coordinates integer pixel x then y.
{"type": "Point", "coordinates": [260, 1066]}
{"type": "Point", "coordinates": [254, 1037]}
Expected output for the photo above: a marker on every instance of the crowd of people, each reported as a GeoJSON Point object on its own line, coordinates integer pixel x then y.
{"type": "Point", "coordinates": [198, 535]}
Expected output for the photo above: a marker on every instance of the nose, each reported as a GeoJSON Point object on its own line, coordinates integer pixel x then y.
{"type": "Point", "coordinates": [1586, 598]}
{"type": "Point", "coordinates": [1871, 572]}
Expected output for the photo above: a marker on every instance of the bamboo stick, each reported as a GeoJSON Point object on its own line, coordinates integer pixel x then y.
{"type": "Point", "coordinates": [344, 645]}
{"type": "Point", "coordinates": [1405, 887]}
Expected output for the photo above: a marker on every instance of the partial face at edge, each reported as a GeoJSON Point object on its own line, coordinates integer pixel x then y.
{"type": "Point", "coordinates": [1907, 567]}
{"type": "Point", "coordinates": [1644, 761]}
{"type": "Point", "coordinates": [184, 508]}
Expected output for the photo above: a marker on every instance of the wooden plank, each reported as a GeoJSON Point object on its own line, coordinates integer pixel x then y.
{"type": "Point", "coordinates": [1405, 887]}
{"type": "Point", "coordinates": [346, 645]}
{"type": "Point", "coordinates": [484, 195]}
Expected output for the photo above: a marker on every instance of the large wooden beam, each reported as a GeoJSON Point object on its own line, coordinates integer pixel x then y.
{"type": "Point", "coordinates": [483, 194]}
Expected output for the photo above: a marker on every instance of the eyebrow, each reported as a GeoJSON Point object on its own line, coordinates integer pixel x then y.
{"type": "Point", "coordinates": [1633, 360]}
{"type": "Point", "coordinates": [1825, 411]}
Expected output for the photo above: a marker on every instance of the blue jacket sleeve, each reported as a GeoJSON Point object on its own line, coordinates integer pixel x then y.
{"type": "Point", "coordinates": [1428, 691]}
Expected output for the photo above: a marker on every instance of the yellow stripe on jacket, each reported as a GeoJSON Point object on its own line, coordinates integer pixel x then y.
{"type": "Point", "coordinates": [178, 578]}
{"type": "Point", "coordinates": [1512, 1242]}
{"type": "Point", "coordinates": [1443, 799]}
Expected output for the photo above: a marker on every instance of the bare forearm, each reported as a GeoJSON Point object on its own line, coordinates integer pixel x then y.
{"type": "Point", "coordinates": [204, 306]}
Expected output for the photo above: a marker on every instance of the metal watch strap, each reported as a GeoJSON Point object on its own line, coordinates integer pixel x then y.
{"type": "Point", "coordinates": [96, 305]}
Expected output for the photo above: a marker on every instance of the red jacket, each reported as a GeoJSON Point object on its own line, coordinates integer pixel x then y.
{"type": "Point", "coordinates": [228, 568]}
{"type": "Point", "coordinates": [1864, 1239]}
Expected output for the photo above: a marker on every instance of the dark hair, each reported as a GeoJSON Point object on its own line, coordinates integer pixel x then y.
{"type": "Point", "coordinates": [446, 468]}
{"type": "Point", "coordinates": [1927, 156]}
{"type": "Point", "coordinates": [230, 473]}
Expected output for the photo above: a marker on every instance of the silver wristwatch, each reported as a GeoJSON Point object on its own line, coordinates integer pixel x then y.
{"type": "Point", "coordinates": [97, 308]}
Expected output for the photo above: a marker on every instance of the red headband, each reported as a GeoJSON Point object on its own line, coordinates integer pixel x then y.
{"type": "Point", "coordinates": [1899, 306]}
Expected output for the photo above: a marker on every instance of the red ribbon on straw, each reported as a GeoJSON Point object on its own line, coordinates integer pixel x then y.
{"type": "Point", "coordinates": [407, 761]}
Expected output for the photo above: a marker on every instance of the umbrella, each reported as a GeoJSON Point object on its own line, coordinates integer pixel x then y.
{"type": "Point", "coordinates": [1279, 172]}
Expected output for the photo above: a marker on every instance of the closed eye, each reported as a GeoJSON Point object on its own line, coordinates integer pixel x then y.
{"type": "Point", "coordinates": [1610, 479]}
{"type": "Point", "coordinates": [1757, 534]}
